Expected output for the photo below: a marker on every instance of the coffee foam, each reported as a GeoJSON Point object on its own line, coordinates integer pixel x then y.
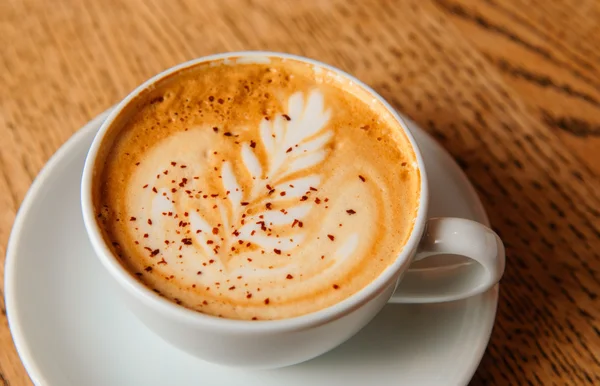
{"type": "Point", "coordinates": [256, 190]}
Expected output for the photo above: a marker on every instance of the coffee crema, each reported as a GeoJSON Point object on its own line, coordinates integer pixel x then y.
{"type": "Point", "coordinates": [256, 191]}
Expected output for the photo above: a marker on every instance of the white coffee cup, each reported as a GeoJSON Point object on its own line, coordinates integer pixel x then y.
{"type": "Point", "coordinates": [277, 343]}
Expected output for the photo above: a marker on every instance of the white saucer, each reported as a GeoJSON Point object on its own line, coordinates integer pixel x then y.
{"type": "Point", "coordinates": [71, 329]}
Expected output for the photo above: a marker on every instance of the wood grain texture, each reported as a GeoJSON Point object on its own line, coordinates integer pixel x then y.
{"type": "Point", "coordinates": [510, 88]}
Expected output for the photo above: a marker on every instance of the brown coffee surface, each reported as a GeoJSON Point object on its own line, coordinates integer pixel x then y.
{"type": "Point", "coordinates": [256, 190]}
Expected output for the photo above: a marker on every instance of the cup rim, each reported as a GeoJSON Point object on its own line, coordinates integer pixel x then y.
{"type": "Point", "coordinates": [188, 316]}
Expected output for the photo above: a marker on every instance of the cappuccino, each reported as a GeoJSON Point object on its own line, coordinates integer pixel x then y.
{"type": "Point", "coordinates": [256, 191]}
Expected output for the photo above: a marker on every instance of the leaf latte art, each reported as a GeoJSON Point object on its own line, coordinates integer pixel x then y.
{"type": "Point", "coordinates": [256, 191]}
{"type": "Point", "coordinates": [250, 219]}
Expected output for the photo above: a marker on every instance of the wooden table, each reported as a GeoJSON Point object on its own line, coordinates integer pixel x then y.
{"type": "Point", "coordinates": [510, 88]}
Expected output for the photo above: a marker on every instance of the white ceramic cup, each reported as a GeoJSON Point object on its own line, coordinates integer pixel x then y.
{"type": "Point", "coordinates": [277, 343]}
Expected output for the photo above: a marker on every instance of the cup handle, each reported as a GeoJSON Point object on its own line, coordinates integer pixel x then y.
{"type": "Point", "coordinates": [453, 236]}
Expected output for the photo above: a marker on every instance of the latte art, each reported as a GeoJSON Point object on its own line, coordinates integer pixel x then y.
{"type": "Point", "coordinates": [275, 198]}
{"type": "Point", "coordinates": [256, 191]}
